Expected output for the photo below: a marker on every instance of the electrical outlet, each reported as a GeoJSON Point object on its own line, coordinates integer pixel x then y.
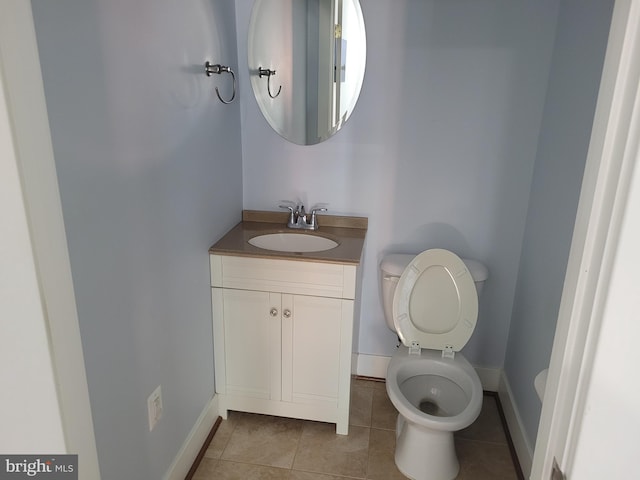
{"type": "Point", "coordinates": [154, 407]}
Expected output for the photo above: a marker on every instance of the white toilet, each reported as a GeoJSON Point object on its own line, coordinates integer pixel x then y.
{"type": "Point", "coordinates": [431, 302]}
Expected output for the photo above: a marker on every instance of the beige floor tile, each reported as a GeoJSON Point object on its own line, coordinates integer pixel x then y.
{"type": "Point", "coordinates": [484, 461]}
{"type": "Point", "coordinates": [376, 384]}
{"type": "Point", "coordinates": [206, 469]}
{"type": "Point", "coordinates": [260, 447]}
{"type": "Point", "coordinates": [264, 440]}
{"type": "Point", "coordinates": [322, 451]}
{"type": "Point", "coordinates": [488, 426]}
{"type": "Point", "coordinates": [360, 406]}
{"type": "Point", "coordinates": [221, 437]}
{"type": "Point", "coordinates": [383, 413]}
{"type": "Point", "coordinates": [244, 471]}
{"type": "Point", "coordinates": [381, 464]}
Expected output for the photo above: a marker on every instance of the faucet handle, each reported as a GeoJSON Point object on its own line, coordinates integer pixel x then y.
{"type": "Point", "coordinates": [292, 213]}
{"type": "Point", "coordinates": [313, 225]}
{"type": "Point", "coordinates": [315, 209]}
{"type": "Point", "coordinates": [318, 208]}
{"type": "Point", "coordinates": [291, 209]}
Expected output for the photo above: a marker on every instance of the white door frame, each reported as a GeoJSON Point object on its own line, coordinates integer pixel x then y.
{"type": "Point", "coordinates": [612, 154]}
{"type": "Point", "coordinates": [27, 126]}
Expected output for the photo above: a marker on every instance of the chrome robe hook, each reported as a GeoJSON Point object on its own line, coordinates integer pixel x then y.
{"type": "Point", "coordinates": [265, 72]}
{"type": "Point", "coordinates": [210, 69]}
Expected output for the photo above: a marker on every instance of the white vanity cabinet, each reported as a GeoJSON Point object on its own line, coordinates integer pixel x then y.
{"type": "Point", "coordinates": [283, 337]}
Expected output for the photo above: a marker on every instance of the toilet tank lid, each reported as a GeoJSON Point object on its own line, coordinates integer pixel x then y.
{"type": "Point", "coordinates": [478, 271]}
{"type": "Point", "coordinates": [395, 263]}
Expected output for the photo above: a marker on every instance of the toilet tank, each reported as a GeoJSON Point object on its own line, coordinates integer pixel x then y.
{"type": "Point", "coordinates": [394, 264]}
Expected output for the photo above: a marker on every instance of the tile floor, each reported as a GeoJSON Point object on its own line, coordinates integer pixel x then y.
{"type": "Point", "coordinates": [261, 447]}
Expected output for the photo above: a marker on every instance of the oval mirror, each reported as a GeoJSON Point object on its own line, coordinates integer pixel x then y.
{"type": "Point", "coordinates": [306, 64]}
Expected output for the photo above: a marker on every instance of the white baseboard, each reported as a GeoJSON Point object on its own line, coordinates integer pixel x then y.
{"type": "Point", "coordinates": [376, 366]}
{"type": "Point", "coordinates": [489, 378]}
{"type": "Point", "coordinates": [194, 441]}
{"type": "Point", "coordinates": [515, 425]}
{"type": "Point", "coordinates": [371, 365]}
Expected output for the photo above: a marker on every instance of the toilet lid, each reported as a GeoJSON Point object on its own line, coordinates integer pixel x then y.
{"type": "Point", "coordinates": [435, 302]}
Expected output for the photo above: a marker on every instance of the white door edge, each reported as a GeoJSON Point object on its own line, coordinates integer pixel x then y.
{"type": "Point", "coordinates": [612, 153]}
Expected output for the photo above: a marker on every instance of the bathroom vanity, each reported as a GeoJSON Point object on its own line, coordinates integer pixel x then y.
{"type": "Point", "coordinates": [283, 321]}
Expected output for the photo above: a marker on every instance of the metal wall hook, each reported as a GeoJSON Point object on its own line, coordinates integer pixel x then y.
{"type": "Point", "coordinates": [265, 72]}
{"type": "Point", "coordinates": [210, 69]}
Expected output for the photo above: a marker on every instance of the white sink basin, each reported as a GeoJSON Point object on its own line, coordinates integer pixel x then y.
{"type": "Point", "coordinates": [292, 242]}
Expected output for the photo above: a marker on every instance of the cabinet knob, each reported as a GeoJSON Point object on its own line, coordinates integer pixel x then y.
{"type": "Point", "coordinates": [286, 313]}
{"type": "Point", "coordinates": [273, 312]}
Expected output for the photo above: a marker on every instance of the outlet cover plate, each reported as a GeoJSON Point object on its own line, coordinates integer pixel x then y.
{"type": "Point", "coordinates": [154, 407]}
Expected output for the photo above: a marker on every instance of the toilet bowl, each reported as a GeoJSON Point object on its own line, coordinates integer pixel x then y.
{"type": "Point", "coordinates": [435, 397]}
{"type": "Point", "coordinates": [432, 300]}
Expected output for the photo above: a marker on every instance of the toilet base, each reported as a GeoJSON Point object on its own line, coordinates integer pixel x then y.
{"type": "Point", "coordinates": [425, 454]}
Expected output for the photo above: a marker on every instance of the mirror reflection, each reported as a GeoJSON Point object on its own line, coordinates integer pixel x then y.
{"type": "Point", "coordinates": [306, 63]}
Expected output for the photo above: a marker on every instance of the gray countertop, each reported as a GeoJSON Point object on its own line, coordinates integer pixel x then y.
{"type": "Point", "coordinates": [348, 232]}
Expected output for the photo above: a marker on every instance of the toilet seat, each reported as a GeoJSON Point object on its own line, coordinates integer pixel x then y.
{"type": "Point", "coordinates": [435, 305]}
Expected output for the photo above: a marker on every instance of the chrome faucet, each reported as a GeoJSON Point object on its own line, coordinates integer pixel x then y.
{"type": "Point", "coordinates": [298, 217]}
{"type": "Point", "coordinates": [302, 216]}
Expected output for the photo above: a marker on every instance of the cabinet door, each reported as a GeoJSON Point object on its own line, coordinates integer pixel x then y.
{"type": "Point", "coordinates": [316, 338]}
{"type": "Point", "coordinates": [252, 343]}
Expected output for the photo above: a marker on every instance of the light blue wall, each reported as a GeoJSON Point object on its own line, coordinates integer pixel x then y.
{"type": "Point", "coordinates": [439, 151]}
{"type": "Point", "coordinates": [583, 27]}
{"type": "Point", "coordinates": [149, 165]}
